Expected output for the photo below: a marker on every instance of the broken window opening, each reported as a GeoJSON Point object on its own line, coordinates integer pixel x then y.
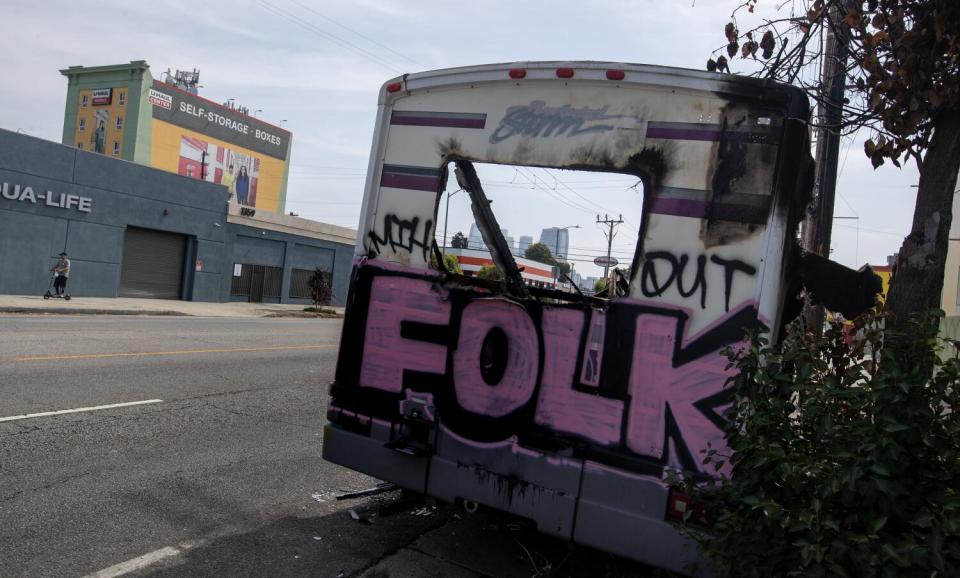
{"type": "Point", "coordinates": [566, 212]}
{"type": "Point", "coordinates": [480, 204]}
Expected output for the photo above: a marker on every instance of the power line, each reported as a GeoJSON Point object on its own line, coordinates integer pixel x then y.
{"type": "Point", "coordinates": [329, 36]}
{"type": "Point", "coordinates": [555, 194]}
{"type": "Point", "coordinates": [361, 35]}
{"type": "Point", "coordinates": [566, 186]}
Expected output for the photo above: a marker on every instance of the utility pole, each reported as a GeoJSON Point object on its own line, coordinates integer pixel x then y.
{"type": "Point", "coordinates": [611, 223]}
{"type": "Point", "coordinates": [818, 225]}
{"type": "Point", "coordinates": [203, 165]}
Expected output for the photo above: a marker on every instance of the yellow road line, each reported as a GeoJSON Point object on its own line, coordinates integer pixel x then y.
{"type": "Point", "coordinates": [182, 352]}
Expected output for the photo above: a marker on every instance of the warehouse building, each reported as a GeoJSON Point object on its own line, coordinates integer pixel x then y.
{"type": "Point", "coordinates": [135, 231]}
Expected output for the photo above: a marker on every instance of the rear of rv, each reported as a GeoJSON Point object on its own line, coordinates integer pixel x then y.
{"type": "Point", "coordinates": [463, 390]}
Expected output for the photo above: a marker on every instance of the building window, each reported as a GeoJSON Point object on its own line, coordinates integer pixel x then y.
{"type": "Point", "coordinates": [122, 98]}
{"type": "Point", "coordinates": [300, 283]}
{"type": "Point", "coordinates": [116, 148]}
{"type": "Point", "coordinates": [257, 282]}
{"type": "Point", "coordinates": [83, 124]}
{"type": "Point", "coordinates": [84, 100]}
{"type": "Point", "coordinates": [119, 123]}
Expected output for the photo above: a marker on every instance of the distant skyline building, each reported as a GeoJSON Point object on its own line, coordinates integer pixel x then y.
{"type": "Point", "coordinates": [548, 237]}
{"type": "Point", "coordinates": [476, 239]}
{"type": "Point", "coordinates": [524, 244]}
{"type": "Point", "coordinates": [557, 240]}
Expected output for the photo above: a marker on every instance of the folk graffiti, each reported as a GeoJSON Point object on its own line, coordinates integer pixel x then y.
{"type": "Point", "coordinates": [539, 120]}
{"type": "Point", "coordinates": [498, 368]}
{"type": "Point", "coordinates": [662, 270]}
{"type": "Point", "coordinates": [405, 234]}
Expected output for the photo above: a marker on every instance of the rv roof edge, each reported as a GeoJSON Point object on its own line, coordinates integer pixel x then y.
{"type": "Point", "coordinates": [585, 71]}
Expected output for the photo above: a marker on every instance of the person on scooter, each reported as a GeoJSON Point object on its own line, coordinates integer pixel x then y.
{"type": "Point", "coordinates": [62, 272]}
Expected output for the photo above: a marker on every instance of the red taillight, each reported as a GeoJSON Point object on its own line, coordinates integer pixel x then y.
{"type": "Point", "coordinates": [564, 73]}
{"type": "Point", "coordinates": [394, 86]}
{"type": "Point", "coordinates": [518, 73]}
{"type": "Point", "coordinates": [679, 504]}
{"type": "Point", "coordinates": [615, 75]}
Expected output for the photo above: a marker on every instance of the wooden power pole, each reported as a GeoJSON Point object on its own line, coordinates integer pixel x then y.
{"type": "Point", "coordinates": [819, 223]}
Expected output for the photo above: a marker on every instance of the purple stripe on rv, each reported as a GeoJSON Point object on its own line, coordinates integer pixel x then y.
{"type": "Point", "coordinates": [706, 132]}
{"type": "Point", "coordinates": [682, 133]}
{"type": "Point", "coordinates": [442, 119]}
{"type": "Point", "coordinates": [414, 178]}
{"type": "Point", "coordinates": [703, 210]}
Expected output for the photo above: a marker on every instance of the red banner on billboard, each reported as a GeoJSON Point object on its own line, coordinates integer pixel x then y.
{"type": "Point", "coordinates": [102, 96]}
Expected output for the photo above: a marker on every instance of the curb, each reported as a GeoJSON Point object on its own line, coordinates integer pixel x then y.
{"type": "Point", "coordinates": [68, 311]}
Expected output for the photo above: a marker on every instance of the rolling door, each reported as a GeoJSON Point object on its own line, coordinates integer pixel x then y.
{"type": "Point", "coordinates": [152, 264]}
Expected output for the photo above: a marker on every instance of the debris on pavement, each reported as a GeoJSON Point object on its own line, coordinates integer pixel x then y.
{"type": "Point", "coordinates": [380, 488]}
{"type": "Point", "coordinates": [424, 512]}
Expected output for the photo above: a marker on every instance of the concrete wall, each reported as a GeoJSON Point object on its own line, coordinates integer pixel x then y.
{"type": "Point", "coordinates": [123, 194]}
{"type": "Point", "coordinates": [258, 246]}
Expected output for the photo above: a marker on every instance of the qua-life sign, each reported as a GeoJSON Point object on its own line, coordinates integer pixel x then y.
{"type": "Point", "coordinates": [26, 194]}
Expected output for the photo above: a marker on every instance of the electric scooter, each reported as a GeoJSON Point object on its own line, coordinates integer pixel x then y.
{"type": "Point", "coordinates": [50, 294]}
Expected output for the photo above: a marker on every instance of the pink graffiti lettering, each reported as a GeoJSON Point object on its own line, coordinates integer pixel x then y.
{"type": "Point", "coordinates": [386, 354]}
{"type": "Point", "coordinates": [656, 384]}
{"type": "Point", "coordinates": [519, 379]}
{"type": "Point", "coordinates": [560, 407]}
{"type": "Point", "coordinates": [669, 410]}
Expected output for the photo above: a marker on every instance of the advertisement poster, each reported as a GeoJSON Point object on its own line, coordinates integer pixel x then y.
{"type": "Point", "coordinates": [240, 173]}
{"type": "Point", "coordinates": [98, 136]}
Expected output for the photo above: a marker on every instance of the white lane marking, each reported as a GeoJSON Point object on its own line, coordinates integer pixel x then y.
{"type": "Point", "coordinates": [78, 410]}
{"type": "Point", "coordinates": [147, 559]}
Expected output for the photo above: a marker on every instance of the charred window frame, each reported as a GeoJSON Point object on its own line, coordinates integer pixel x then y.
{"type": "Point", "coordinates": [647, 166]}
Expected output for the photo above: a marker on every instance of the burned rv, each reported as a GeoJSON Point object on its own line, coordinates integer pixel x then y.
{"type": "Point", "coordinates": [565, 409]}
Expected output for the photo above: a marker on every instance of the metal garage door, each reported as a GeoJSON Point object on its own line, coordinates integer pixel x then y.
{"type": "Point", "coordinates": [152, 264]}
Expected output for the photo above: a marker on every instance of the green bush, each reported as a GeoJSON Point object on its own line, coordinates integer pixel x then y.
{"type": "Point", "coordinates": [491, 273]}
{"type": "Point", "coordinates": [845, 460]}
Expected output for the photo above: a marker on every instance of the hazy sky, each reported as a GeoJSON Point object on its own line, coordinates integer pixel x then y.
{"type": "Point", "coordinates": [319, 65]}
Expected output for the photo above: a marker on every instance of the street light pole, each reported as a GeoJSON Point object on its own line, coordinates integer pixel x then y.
{"type": "Point", "coordinates": [446, 217]}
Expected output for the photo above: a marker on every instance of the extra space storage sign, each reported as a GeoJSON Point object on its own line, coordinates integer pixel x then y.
{"type": "Point", "coordinates": [203, 116]}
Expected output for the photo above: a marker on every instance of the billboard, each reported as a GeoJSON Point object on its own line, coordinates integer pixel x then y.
{"type": "Point", "coordinates": [201, 139]}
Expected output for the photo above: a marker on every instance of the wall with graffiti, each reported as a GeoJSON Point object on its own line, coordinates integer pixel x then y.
{"type": "Point", "coordinates": [565, 409]}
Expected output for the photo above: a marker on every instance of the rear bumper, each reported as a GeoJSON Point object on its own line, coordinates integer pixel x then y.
{"type": "Point", "coordinates": [594, 505]}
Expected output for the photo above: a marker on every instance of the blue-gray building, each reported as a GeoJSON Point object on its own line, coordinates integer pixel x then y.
{"type": "Point", "coordinates": [134, 231]}
{"type": "Point", "coordinates": [557, 239]}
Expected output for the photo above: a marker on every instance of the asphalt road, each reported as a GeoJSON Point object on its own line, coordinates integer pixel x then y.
{"type": "Point", "coordinates": [218, 472]}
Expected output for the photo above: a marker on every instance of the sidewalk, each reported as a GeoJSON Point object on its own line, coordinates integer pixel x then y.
{"type": "Point", "coordinates": [31, 304]}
